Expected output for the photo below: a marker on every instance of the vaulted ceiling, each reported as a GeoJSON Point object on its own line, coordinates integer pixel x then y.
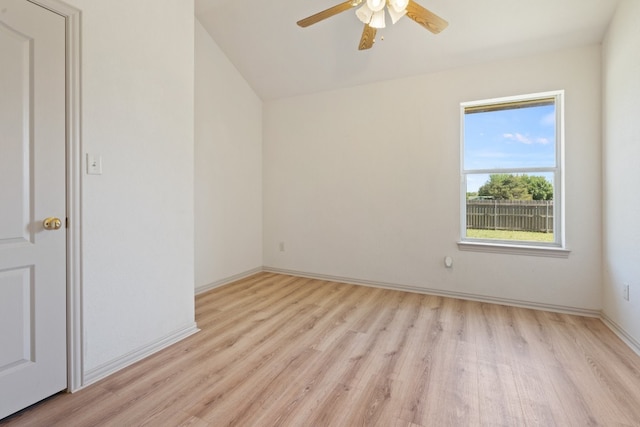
{"type": "Point", "coordinates": [280, 59]}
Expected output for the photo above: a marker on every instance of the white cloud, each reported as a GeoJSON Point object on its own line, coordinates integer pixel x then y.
{"type": "Point", "coordinates": [523, 139]}
{"type": "Point", "coordinates": [518, 137]}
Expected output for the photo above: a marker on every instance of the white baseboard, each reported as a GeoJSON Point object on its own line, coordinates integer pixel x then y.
{"type": "Point", "coordinates": [227, 280]}
{"type": "Point", "coordinates": [130, 358]}
{"type": "Point", "coordinates": [621, 333]}
{"type": "Point", "coordinates": [439, 292]}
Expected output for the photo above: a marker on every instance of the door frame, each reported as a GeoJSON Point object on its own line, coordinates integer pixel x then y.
{"type": "Point", "coordinates": [72, 15]}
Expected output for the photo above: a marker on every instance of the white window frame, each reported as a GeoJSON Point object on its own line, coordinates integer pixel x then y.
{"type": "Point", "coordinates": [551, 249]}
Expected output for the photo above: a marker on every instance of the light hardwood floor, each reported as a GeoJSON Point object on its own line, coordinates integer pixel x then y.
{"type": "Point", "coordinates": [278, 350]}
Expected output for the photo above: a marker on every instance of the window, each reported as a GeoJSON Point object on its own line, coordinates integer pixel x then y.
{"type": "Point", "coordinates": [511, 167]}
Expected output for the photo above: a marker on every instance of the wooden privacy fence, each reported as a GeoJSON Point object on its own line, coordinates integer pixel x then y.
{"type": "Point", "coordinates": [519, 215]}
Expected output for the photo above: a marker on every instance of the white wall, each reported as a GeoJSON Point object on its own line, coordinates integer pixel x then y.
{"type": "Point", "coordinates": [228, 168]}
{"type": "Point", "coordinates": [363, 183]}
{"type": "Point", "coordinates": [620, 167]}
{"type": "Point", "coordinates": [137, 113]}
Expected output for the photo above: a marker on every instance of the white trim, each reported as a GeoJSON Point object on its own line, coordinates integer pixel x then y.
{"type": "Point", "coordinates": [227, 280]}
{"type": "Point", "coordinates": [450, 294]}
{"type": "Point", "coordinates": [505, 248]}
{"type": "Point", "coordinates": [516, 98]}
{"type": "Point", "coordinates": [73, 189]}
{"type": "Point", "coordinates": [132, 357]}
{"type": "Point", "coordinates": [621, 333]}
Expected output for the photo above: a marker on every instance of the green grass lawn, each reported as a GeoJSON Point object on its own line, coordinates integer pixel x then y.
{"type": "Point", "coordinates": [510, 235]}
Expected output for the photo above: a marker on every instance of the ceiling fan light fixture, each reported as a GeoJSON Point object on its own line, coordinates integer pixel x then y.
{"type": "Point", "coordinates": [372, 14]}
{"type": "Point", "coordinates": [364, 14]}
{"type": "Point", "coordinates": [398, 6]}
{"type": "Point", "coordinates": [376, 5]}
{"type": "Point", "coordinates": [395, 15]}
{"type": "Point", "coordinates": [377, 20]}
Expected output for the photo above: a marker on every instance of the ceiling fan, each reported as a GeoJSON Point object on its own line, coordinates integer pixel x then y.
{"type": "Point", "coordinates": [372, 14]}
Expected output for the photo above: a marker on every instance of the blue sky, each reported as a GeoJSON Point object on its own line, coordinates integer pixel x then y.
{"type": "Point", "coordinates": [513, 138]}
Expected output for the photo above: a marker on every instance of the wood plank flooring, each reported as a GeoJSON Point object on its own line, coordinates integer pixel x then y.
{"type": "Point", "coordinates": [278, 350]}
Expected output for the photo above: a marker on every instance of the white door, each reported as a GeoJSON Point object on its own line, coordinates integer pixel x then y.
{"type": "Point", "coordinates": [33, 338]}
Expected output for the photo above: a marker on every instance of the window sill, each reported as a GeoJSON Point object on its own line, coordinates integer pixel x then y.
{"type": "Point", "coordinates": [505, 248]}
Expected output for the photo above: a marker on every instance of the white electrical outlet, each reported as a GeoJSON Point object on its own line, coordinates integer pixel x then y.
{"type": "Point", "coordinates": [281, 246]}
{"type": "Point", "coordinates": [448, 262]}
{"type": "Point", "coordinates": [625, 291]}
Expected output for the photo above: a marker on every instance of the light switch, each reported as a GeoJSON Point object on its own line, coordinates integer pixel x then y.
{"type": "Point", "coordinates": [94, 164]}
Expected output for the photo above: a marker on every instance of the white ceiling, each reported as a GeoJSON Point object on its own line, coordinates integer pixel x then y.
{"type": "Point", "coordinates": [280, 59]}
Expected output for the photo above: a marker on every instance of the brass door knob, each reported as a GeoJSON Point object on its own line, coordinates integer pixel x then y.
{"type": "Point", "coordinates": [52, 223]}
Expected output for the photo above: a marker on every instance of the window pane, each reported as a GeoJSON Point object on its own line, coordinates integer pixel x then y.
{"type": "Point", "coordinates": [493, 215]}
{"type": "Point", "coordinates": [516, 137]}
{"type": "Point", "coordinates": [510, 164]}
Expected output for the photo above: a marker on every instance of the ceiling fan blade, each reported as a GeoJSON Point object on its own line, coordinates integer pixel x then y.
{"type": "Point", "coordinates": [327, 13]}
{"type": "Point", "coordinates": [368, 37]}
{"type": "Point", "coordinates": [426, 18]}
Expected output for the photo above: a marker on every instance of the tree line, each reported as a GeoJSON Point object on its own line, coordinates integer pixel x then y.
{"type": "Point", "coordinates": [514, 187]}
